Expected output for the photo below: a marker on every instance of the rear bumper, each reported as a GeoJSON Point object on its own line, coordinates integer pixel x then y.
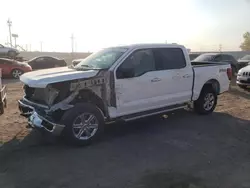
{"type": "Point", "coordinates": [37, 119]}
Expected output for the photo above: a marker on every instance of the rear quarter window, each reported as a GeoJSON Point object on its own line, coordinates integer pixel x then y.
{"type": "Point", "coordinates": [169, 58]}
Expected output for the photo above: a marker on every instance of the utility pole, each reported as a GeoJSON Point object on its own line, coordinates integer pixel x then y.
{"type": "Point", "coordinates": [72, 42]}
{"type": "Point", "coordinates": [15, 36]}
{"type": "Point", "coordinates": [9, 23]}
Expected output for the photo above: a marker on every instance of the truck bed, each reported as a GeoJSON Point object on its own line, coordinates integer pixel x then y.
{"type": "Point", "coordinates": [205, 71]}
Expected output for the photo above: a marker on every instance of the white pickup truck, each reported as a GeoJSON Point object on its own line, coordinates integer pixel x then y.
{"type": "Point", "coordinates": [119, 83]}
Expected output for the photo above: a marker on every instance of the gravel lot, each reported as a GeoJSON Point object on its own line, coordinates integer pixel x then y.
{"type": "Point", "coordinates": [182, 151]}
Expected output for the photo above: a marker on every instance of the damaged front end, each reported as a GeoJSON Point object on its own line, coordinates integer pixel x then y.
{"type": "Point", "coordinates": [44, 107]}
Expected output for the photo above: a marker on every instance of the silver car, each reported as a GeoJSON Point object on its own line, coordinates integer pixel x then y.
{"type": "Point", "coordinates": [8, 51]}
{"type": "Point", "coordinates": [243, 77]}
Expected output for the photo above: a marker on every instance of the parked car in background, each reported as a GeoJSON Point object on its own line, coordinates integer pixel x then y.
{"type": "Point", "coordinates": [119, 83]}
{"type": "Point", "coordinates": [243, 77]}
{"type": "Point", "coordinates": [8, 51]}
{"type": "Point", "coordinates": [45, 62]}
{"type": "Point", "coordinates": [13, 68]}
{"type": "Point", "coordinates": [244, 61]}
{"type": "Point", "coordinates": [219, 57]}
{"type": "Point", "coordinates": [192, 56]}
{"type": "Point", "coordinates": [76, 61]}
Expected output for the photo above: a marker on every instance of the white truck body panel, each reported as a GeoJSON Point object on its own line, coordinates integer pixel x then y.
{"type": "Point", "coordinates": [41, 78]}
{"type": "Point", "coordinates": [203, 74]}
{"type": "Point", "coordinates": [171, 87]}
{"type": "Point", "coordinates": [152, 90]}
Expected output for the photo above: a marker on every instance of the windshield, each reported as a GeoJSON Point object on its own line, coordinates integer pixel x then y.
{"type": "Point", "coordinates": [103, 59]}
{"type": "Point", "coordinates": [204, 57]}
{"type": "Point", "coordinates": [247, 57]}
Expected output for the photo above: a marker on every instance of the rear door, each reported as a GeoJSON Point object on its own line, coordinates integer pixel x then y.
{"type": "Point", "coordinates": [37, 63]}
{"type": "Point", "coordinates": [175, 74]}
{"type": "Point", "coordinates": [49, 62]}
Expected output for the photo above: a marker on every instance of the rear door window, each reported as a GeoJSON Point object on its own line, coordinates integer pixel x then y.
{"type": "Point", "coordinates": [169, 58]}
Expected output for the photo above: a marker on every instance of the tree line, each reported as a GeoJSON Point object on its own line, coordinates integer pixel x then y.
{"type": "Point", "coordinates": [245, 45]}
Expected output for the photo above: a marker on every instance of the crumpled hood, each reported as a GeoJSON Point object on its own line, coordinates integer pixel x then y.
{"type": "Point", "coordinates": [41, 78]}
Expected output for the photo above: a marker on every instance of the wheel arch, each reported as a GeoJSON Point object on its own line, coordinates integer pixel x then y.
{"type": "Point", "coordinates": [214, 84]}
{"type": "Point", "coordinates": [88, 96]}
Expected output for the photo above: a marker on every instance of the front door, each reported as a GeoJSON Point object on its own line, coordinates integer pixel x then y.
{"type": "Point", "coordinates": [136, 82]}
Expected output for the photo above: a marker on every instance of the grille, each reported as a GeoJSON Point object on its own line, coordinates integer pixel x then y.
{"type": "Point", "coordinates": [246, 74]}
{"type": "Point", "coordinates": [245, 82]}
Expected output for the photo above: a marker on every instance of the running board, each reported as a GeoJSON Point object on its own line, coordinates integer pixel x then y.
{"type": "Point", "coordinates": [153, 112]}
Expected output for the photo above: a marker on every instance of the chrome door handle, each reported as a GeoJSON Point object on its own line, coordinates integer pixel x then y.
{"type": "Point", "coordinates": [186, 76]}
{"type": "Point", "coordinates": [156, 80]}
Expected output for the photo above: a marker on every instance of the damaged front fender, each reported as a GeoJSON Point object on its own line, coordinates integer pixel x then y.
{"type": "Point", "coordinates": [94, 84]}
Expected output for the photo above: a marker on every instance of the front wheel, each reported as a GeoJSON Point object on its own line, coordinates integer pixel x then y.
{"type": "Point", "coordinates": [16, 73]}
{"type": "Point", "coordinates": [206, 102]}
{"type": "Point", "coordinates": [84, 123]}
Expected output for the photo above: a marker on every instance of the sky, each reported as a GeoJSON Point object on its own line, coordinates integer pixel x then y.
{"type": "Point", "coordinates": [198, 24]}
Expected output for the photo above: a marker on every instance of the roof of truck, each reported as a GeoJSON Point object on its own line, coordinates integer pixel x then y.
{"type": "Point", "coordinates": [154, 45]}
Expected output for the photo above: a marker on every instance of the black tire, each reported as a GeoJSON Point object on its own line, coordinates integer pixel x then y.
{"type": "Point", "coordinates": [12, 54]}
{"type": "Point", "coordinates": [242, 86]}
{"type": "Point", "coordinates": [199, 104]}
{"type": "Point", "coordinates": [16, 73]}
{"type": "Point", "coordinates": [73, 114]}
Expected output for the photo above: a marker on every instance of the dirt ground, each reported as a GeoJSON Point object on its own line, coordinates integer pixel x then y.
{"type": "Point", "coordinates": [182, 151]}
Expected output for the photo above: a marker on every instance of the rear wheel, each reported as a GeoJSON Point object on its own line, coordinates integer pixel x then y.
{"type": "Point", "coordinates": [84, 124]}
{"type": "Point", "coordinates": [16, 73]}
{"type": "Point", "coordinates": [206, 102]}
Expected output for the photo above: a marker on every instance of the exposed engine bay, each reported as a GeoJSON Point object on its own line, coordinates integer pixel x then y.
{"type": "Point", "coordinates": [64, 95]}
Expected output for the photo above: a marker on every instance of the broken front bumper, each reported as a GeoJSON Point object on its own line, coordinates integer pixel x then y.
{"type": "Point", "coordinates": [38, 119]}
